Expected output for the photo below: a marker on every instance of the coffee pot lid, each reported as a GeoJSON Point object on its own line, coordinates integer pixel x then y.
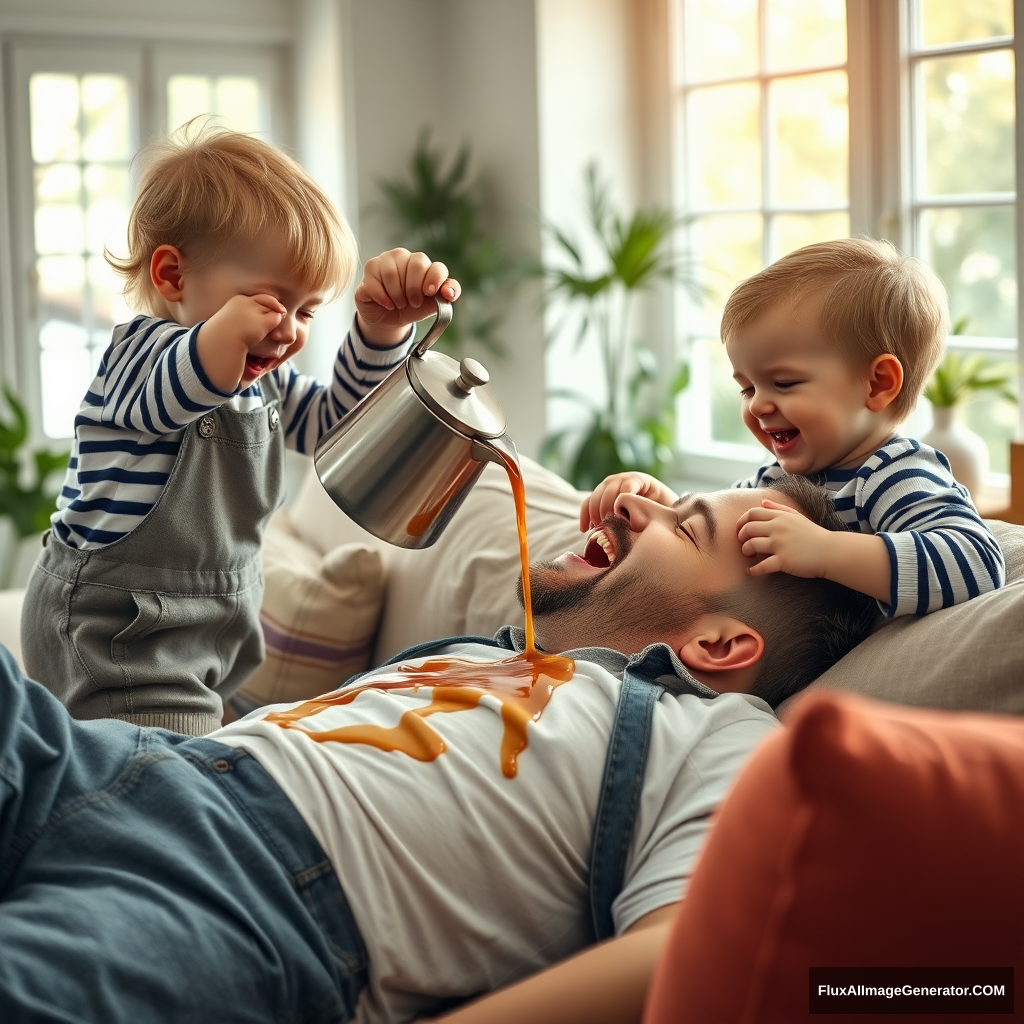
{"type": "Point", "coordinates": [457, 393]}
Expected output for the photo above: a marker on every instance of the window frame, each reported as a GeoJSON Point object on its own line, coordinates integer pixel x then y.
{"type": "Point", "coordinates": [147, 66]}
{"type": "Point", "coordinates": [882, 198]}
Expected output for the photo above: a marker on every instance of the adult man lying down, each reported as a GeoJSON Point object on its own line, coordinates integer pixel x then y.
{"type": "Point", "coordinates": [261, 875]}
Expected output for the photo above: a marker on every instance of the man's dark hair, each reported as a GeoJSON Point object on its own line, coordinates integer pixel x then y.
{"type": "Point", "coordinates": [807, 624]}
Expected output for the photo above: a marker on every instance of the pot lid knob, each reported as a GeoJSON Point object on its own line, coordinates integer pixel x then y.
{"type": "Point", "coordinates": [471, 375]}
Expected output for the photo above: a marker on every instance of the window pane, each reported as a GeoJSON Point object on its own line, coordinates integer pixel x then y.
{"type": "Point", "coordinates": [802, 35]}
{"type": "Point", "coordinates": [238, 103]}
{"type": "Point", "coordinates": [730, 248]}
{"type": "Point", "coordinates": [59, 228]}
{"type": "Point", "coordinates": [108, 304]}
{"type": "Point", "coordinates": [954, 21]}
{"type": "Point", "coordinates": [969, 123]}
{"type": "Point", "coordinates": [67, 370]}
{"type": "Point", "coordinates": [721, 39]}
{"type": "Point", "coordinates": [725, 146]}
{"type": "Point", "coordinates": [53, 101]}
{"type": "Point", "coordinates": [810, 139]}
{"type": "Point", "coordinates": [793, 231]}
{"type": "Point", "coordinates": [105, 113]}
{"type": "Point", "coordinates": [974, 252]}
{"type": "Point", "coordinates": [61, 279]}
{"type": "Point", "coordinates": [106, 218]}
{"type": "Point", "coordinates": [58, 183]}
{"type": "Point", "coordinates": [726, 422]}
{"type": "Point", "coordinates": [995, 420]}
{"type": "Point", "coordinates": [233, 101]}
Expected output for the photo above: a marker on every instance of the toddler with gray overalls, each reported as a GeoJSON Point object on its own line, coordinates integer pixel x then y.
{"type": "Point", "coordinates": [144, 603]}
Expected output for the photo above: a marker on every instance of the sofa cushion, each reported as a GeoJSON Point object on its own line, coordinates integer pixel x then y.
{"type": "Point", "coordinates": [863, 835]}
{"type": "Point", "coordinates": [319, 616]}
{"type": "Point", "coordinates": [968, 657]}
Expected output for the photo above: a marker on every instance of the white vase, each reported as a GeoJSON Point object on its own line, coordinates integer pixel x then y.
{"type": "Point", "coordinates": [966, 451]}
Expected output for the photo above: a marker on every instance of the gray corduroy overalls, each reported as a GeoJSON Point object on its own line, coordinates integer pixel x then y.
{"type": "Point", "coordinates": [159, 627]}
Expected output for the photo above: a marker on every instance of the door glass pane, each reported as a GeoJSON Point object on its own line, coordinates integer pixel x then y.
{"type": "Point", "coordinates": [969, 123]}
{"type": "Point", "coordinates": [81, 144]}
{"type": "Point", "coordinates": [233, 101]}
{"type": "Point", "coordinates": [795, 230]}
{"type": "Point", "coordinates": [974, 252]}
{"type": "Point", "coordinates": [725, 145]}
{"type": "Point", "coordinates": [721, 39]}
{"type": "Point", "coordinates": [954, 21]}
{"type": "Point", "coordinates": [809, 119]}
{"type": "Point", "coordinates": [803, 35]}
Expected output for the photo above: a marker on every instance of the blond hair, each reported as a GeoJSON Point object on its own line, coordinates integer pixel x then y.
{"type": "Point", "coordinates": [875, 301]}
{"type": "Point", "coordinates": [211, 192]}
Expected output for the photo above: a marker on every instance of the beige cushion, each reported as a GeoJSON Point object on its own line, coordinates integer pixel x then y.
{"type": "Point", "coordinates": [465, 583]}
{"type": "Point", "coordinates": [10, 621]}
{"type": "Point", "coordinates": [319, 617]}
{"type": "Point", "coordinates": [968, 657]}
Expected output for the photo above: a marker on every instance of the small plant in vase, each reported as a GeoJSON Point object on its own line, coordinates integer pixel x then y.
{"type": "Point", "coordinates": [957, 379]}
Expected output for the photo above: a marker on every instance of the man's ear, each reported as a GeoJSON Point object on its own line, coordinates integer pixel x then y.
{"type": "Point", "coordinates": [166, 268]}
{"type": "Point", "coordinates": [885, 381]}
{"type": "Point", "coordinates": [721, 644]}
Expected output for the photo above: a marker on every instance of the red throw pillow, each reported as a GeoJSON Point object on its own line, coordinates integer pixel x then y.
{"type": "Point", "coordinates": [862, 835]}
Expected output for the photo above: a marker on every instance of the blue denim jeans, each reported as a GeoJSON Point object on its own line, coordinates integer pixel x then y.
{"type": "Point", "coordinates": [146, 876]}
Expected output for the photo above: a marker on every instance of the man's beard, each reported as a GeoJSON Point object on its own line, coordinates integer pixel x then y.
{"type": "Point", "coordinates": [617, 608]}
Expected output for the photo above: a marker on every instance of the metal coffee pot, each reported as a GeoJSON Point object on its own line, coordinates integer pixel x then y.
{"type": "Point", "coordinates": [403, 460]}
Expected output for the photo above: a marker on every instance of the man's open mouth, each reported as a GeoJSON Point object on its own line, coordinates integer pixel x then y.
{"type": "Point", "coordinates": [600, 550]}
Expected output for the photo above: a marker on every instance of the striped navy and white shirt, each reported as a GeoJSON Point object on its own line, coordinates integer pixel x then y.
{"type": "Point", "coordinates": [150, 386]}
{"type": "Point", "coordinates": [940, 551]}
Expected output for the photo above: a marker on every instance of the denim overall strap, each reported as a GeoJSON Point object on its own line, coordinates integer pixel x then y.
{"type": "Point", "coordinates": [621, 789]}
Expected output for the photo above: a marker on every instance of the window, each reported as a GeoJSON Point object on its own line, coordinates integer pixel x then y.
{"type": "Point", "coordinates": [962, 181]}
{"type": "Point", "coordinates": [765, 111]}
{"type": "Point", "coordinates": [81, 117]}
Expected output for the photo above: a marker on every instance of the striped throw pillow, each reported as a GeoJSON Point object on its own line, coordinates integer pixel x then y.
{"type": "Point", "coordinates": [319, 617]}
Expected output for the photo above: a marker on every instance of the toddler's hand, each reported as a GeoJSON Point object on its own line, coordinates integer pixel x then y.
{"type": "Point", "coordinates": [786, 540]}
{"type": "Point", "coordinates": [397, 289]}
{"type": "Point", "coordinates": [602, 502]}
{"type": "Point", "coordinates": [250, 318]}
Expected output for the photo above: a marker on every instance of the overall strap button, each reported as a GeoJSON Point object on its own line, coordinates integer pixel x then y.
{"type": "Point", "coordinates": [222, 764]}
{"type": "Point", "coordinates": [207, 426]}
{"type": "Point", "coordinates": [274, 419]}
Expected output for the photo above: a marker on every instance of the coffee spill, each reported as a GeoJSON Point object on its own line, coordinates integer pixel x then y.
{"type": "Point", "coordinates": [523, 684]}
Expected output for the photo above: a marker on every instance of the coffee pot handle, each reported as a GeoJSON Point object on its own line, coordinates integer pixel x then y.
{"type": "Point", "coordinates": [437, 328]}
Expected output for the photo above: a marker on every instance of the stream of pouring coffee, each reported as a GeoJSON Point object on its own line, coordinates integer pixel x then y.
{"type": "Point", "coordinates": [523, 684]}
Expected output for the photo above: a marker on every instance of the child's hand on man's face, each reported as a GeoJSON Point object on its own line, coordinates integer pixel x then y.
{"type": "Point", "coordinates": [786, 540]}
{"type": "Point", "coordinates": [397, 289]}
{"type": "Point", "coordinates": [602, 502]}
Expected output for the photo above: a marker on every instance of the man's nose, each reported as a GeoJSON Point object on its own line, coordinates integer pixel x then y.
{"type": "Point", "coordinates": [637, 511]}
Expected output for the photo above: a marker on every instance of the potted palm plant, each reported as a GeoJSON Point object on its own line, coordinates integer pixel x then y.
{"type": "Point", "coordinates": [957, 379]}
{"type": "Point", "coordinates": [634, 426]}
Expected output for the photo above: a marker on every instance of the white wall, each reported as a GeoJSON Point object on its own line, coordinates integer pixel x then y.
{"type": "Point", "coordinates": [602, 89]}
{"type": "Point", "coordinates": [467, 70]}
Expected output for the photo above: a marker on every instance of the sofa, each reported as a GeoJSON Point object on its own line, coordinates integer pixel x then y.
{"type": "Point", "coordinates": [338, 600]}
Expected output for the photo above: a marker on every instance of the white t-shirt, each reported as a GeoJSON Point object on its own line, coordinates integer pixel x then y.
{"type": "Point", "coordinates": [462, 880]}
